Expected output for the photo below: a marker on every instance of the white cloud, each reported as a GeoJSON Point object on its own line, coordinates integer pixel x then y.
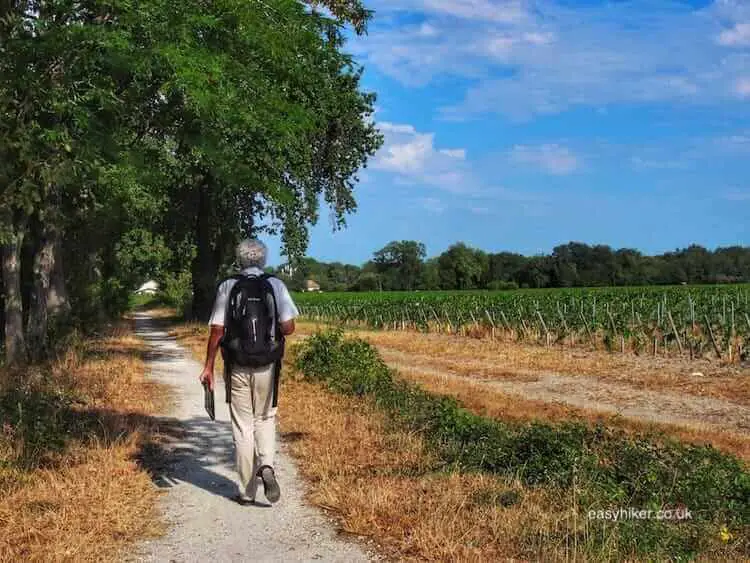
{"type": "Point", "coordinates": [413, 157]}
{"type": "Point", "coordinates": [408, 156]}
{"type": "Point", "coordinates": [500, 47]}
{"type": "Point", "coordinates": [739, 142]}
{"type": "Point", "coordinates": [742, 87]}
{"type": "Point", "coordinates": [538, 38]}
{"type": "Point", "coordinates": [737, 36]}
{"type": "Point", "coordinates": [454, 153]}
{"type": "Point", "coordinates": [387, 127]}
{"type": "Point", "coordinates": [487, 10]}
{"type": "Point", "coordinates": [644, 163]}
{"type": "Point", "coordinates": [553, 158]}
{"type": "Point", "coordinates": [427, 30]}
{"type": "Point", "coordinates": [543, 57]}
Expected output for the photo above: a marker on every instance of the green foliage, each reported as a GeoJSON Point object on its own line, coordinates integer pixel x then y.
{"type": "Point", "coordinates": [497, 285]}
{"type": "Point", "coordinates": [177, 291]}
{"type": "Point", "coordinates": [399, 264]}
{"type": "Point", "coordinates": [350, 11]}
{"type": "Point", "coordinates": [461, 267]}
{"type": "Point", "coordinates": [132, 136]}
{"type": "Point", "coordinates": [368, 281]}
{"type": "Point", "coordinates": [141, 256]}
{"type": "Point", "coordinates": [142, 301]}
{"type": "Point", "coordinates": [637, 315]}
{"type": "Point", "coordinates": [570, 265]}
{"type": "Point", "coordinates": [605, 467]}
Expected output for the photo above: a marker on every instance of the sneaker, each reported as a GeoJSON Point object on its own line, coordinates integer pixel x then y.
{"type": "Point", "coordinates": [270, 485]}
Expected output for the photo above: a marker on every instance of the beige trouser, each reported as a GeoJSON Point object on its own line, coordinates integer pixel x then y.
{"type": "Point", "coordinates": [253, 423]}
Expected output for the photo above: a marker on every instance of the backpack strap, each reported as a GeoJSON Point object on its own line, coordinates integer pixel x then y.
{"type": "Point", "coordinates": [279, 334]}
{"type": "Point", "coordinates": [224, 354]}
{"type": "Point", "coordinates": [235, 277]}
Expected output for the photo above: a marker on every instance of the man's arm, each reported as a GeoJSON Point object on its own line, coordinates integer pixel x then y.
{"type": "Point", "coordinates": [287, 309]}
{"type": "Point", "coordinates": [207, 375]}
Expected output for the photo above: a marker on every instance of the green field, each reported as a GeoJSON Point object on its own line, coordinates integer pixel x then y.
{"type": "Point", "coordinates": [694, 321]}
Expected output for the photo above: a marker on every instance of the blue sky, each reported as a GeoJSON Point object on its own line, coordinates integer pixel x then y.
{"type": "Point", "coordinates": [522, 124]}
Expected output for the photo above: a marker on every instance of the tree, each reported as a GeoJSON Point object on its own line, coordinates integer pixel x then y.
{"type": "Point", "coordinates": [368, 281]}
{"type": "Point", "coordinates": [68, 83]}
{"type": "Point", "coordinates": [350, 11]}
{"type": "Point", "coordinates": [400, 264]}
{"type": "Point", "coordinates": [505, 266]}
{"type": "Point", "coordinates": [245, 169]}
{"type": "Point", "coordinates": [461, 267]}
{"type": "Point", "coordinates": [430, 278]}
{"type": "Point", "coordinates": [536, 272]}
{"type": "Point", "coordinates": [127, 118]}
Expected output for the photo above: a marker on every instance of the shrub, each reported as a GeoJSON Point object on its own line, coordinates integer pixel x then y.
{"type": "Point", "coordinates": [498, 285]}
{"type": "Point", "coordinates": [605, 467]}
{"type": "Point", "coordinates": [178, 290]}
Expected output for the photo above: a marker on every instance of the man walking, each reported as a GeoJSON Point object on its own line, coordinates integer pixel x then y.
{"type": "Point", "coordinates": [252, 314]}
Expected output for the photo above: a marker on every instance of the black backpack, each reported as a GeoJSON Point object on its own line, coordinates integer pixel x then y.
{"type": "Point", "coordinates": [252, 336]}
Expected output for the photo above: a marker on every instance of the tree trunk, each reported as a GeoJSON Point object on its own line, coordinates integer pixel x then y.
{"type": "Point", "coordinates": [205, 268]}
{"type": "Point", "coordinates": [58, 301]}
{"type": "Point", "coordinates": [15, 345]}
{"type": "Point", "coordinates": [37, 329]}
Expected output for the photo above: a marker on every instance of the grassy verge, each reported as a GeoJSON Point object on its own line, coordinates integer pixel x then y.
{"type": "Point", "coordinates": [71, 434]}
{"type": "Point", "coordinates": [567, 469]}
{"type": "Point", "coordinates": [380, 483]}
{"type": "Point", "coordinates": [437, 363]}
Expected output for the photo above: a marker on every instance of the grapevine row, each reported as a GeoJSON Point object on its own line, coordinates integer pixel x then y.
{"type": "Point", "coordinates": [694, 322]}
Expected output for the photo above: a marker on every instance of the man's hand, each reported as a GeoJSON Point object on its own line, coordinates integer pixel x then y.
{"type": "Point", "coordinates": [207, 376]}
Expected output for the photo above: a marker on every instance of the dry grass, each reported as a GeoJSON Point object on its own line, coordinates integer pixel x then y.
{"type": "Point", "coordinates": [496, 404]}
{"type": "Point", "coordinates": [379, 483]}
{"type": "Point", "coordinates": [490, 402]}
{"type": "Point", "coordinates": [89, 499]}
{"type": "Point", "coordinates": [486, 358]}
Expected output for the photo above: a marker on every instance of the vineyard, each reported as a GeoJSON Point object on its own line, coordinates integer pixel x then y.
{"type": "Point", "coordinates": [689, 321]}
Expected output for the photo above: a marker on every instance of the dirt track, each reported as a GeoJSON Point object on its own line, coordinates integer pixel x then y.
{"type": "Point", "coordinates": [601, 396]}
{"type": "Point", "coordinates": [618, 392]}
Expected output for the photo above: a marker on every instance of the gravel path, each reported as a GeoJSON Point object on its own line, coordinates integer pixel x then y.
{"type": "Point", "coordinates": [199, 477]}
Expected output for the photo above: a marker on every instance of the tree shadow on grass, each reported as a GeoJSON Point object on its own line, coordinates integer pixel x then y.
{"type": "Point", "coordinates": [43, 427]}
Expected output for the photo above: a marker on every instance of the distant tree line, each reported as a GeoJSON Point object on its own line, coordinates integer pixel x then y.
{"type": "Point", "coordinates": [402, 265]}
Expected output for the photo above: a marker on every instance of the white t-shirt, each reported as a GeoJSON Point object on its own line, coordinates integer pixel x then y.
{"type": "Point", "coordinates": [286, 307]}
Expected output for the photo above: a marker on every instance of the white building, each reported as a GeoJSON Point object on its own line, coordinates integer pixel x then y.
{"type": "Point", "coordinates": [148, 288]}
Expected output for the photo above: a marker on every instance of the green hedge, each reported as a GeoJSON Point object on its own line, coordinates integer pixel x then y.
{"type": "Point", "coordinates": [610, 469]}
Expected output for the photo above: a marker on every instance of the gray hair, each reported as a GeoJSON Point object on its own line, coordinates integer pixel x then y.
{"type": "Point", "coordinates": [251, 252]}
